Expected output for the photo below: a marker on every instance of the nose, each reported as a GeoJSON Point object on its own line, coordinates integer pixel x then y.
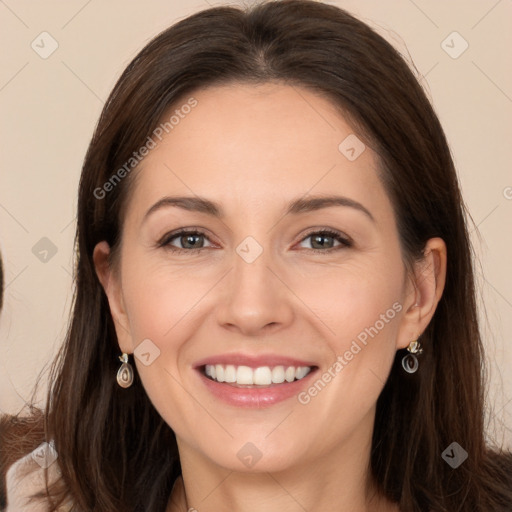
{"type": "Point", "coordinates": [255, 298]}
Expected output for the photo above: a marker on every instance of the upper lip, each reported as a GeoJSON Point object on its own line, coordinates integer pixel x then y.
{"type": "Point", "coordinates": [253, 361]}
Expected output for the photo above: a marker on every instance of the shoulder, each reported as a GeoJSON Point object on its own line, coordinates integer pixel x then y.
{"type": "Point", "coordinates": [26, 477]}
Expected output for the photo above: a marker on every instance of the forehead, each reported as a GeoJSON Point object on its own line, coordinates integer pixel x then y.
{"type": "Point", "coordinates": [254, 145]}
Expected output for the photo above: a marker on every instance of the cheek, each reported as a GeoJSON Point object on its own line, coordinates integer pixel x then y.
{"type": "Point", "coordinates": [357, 300]}
{"type": "Point", "coordinates": [362, 311]}
{"type": "Point", "coordinates": [159, 300]}
{"type": "Point", "coordinates": [160, 306]}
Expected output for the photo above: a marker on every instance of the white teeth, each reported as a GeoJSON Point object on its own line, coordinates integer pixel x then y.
{"type": "Point", "coordinates": [261, 376]}
{"type": "Point", "coordinates": [289, 374]}
{"type": "Point", "coordinates": [278, 374]}
{"type": "Point", "coordinates": [244, 375]}
{"type": "Point", "coordinates": [301, 372]}
{"type": "Point", "coordinates": [230, 373]}
{"type": "Point", "coordinates": [219, 371]}
{"type": "Point", "coordinates": [210, 371]}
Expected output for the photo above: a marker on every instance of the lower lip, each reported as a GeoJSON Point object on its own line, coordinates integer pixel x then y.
{"type": "Point", "coordinates": [256, 397]}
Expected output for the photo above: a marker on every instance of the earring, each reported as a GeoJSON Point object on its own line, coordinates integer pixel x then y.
{"type": "Point", "coordinates": [125, 372]}
{"type": "Point", "coordinates": [410, 361]}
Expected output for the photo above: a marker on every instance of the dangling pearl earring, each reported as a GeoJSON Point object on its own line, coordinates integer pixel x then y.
{"type": "Point", "coordinates": [410, 361]}
{"type": "Point", "coordinates": [125, 372]}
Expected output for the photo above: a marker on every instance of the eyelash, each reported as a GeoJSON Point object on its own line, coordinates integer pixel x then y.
{"type": "Point", "coordinates": [166, 240]}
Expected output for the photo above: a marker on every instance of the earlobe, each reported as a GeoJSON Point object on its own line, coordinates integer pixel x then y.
{"type": "Point", "coordinates": [428, 285]}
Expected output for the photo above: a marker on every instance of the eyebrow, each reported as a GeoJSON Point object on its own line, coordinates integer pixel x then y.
{"type": "Point", "coordinates": [297, 206]}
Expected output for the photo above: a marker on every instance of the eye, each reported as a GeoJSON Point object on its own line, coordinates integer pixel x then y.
{"type": "Point", "coordinates": [189, 239]}
{"type": "Point", "coordinates": [320, 240]}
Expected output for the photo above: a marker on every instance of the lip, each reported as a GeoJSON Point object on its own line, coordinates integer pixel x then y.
{"type": "Point", "coordinates": [254, 397]}
{"type": "Point", "coordinates": [253, 361]}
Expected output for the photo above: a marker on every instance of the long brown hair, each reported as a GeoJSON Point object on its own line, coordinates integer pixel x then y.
{"type": "Point", "coordinates": [115, 451]}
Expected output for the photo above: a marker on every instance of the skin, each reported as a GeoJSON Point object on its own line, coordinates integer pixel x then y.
{"type": "Point", "coordinates": [253, 149]}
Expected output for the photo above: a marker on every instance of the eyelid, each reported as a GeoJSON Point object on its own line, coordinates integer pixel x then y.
{"type": "Point", "coordinates": [166, 239]}
{"type": "Point", "coordinates": [345, 240]}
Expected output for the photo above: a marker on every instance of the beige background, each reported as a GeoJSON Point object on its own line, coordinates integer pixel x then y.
{"type": "Point", "coordinates": [49, 108]}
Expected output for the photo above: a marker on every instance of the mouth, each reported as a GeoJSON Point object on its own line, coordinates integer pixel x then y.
{"type": "Point", "coordinates": [254, 380]}
{"type": "Point", "coordinates": [241, 376]}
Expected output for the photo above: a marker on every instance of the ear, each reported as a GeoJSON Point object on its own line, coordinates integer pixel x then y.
{"type": "Point", "coordinates": [110, 281]}
{"type": "Point", "coordinates": [425, 288]}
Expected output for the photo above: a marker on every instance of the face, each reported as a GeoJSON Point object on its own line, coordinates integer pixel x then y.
{"type": "Point", "coordinates": [267, 283]}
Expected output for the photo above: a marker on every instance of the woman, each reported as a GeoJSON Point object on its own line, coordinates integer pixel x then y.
{"type": "Point", "coordinates": [316, 347]}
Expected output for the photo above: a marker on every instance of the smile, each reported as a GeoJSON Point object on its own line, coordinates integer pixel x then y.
{"type": "Point", "coordinates": [256, 387]}
{"type": "Point", "coordinates": [260, 376]}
